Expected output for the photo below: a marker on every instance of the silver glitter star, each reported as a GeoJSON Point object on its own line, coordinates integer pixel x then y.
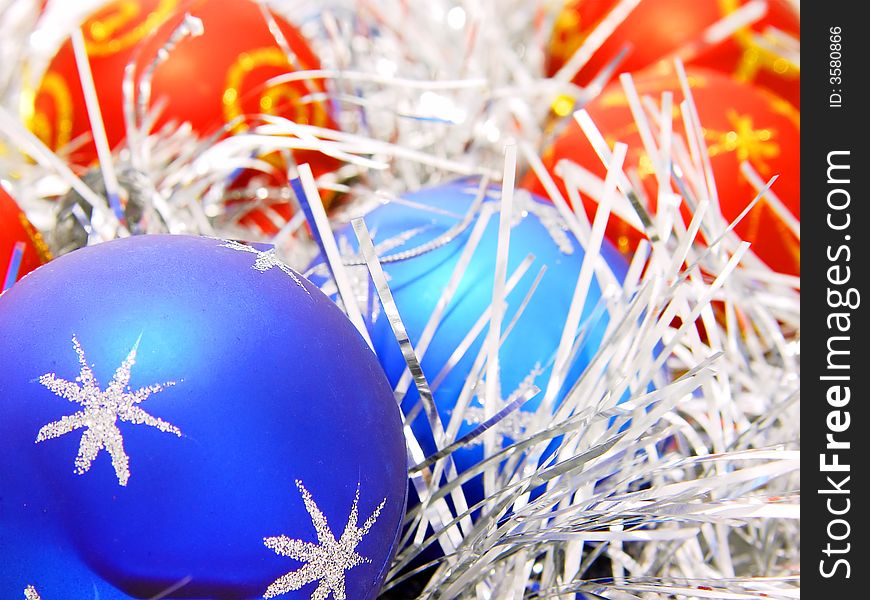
{"type": "Point", "coordinates": [265, 261]}
{"type": "Point", "coordinates": [31, 594]}
{"type": "Point", "coordinates": [328, 560]}
{"type": "Point", "coordinates": [102, 410]}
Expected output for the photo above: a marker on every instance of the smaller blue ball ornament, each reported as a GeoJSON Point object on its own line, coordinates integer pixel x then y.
{"type": "Point", "coordinates": [190, 414]}
{"type": "Point", "coordinates": [423, 220]}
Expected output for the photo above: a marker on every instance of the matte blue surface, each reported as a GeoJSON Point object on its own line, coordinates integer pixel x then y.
{"type": "Point", "coordinates": [273, 384]}
{"type": "Point", "coordinates": [417, 284]}
{"type": "Point", "coordinates": [37, 556]}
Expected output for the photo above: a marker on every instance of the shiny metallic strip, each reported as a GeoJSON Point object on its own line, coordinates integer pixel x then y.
{"type": "Point", "coordinates": [642, 301]}
{"type": "Point", "coordinates": [440, 241]}
{"type": "Point", "coordinates": [426, 337]}
{"type": "Point", "coordinates": [463, 346]}
{"type": "Point", "coordinates": [773, 201]}
{"type": "Point", "coordinates": [688, 197]}
{"type": "Point", "coordinates": [584, 279]}
{"type": "Point", "coordinates": [477, 431]}
{"type": "Point", "coordinates": [665, 160]}
{"type": "Point", "coordinates": [635, 268]}
{"type": "Point", "coordinates": [713, 246]}
{"type": "Point", "coordinates": [685, 244]}
{"type": "Point", "coordinates": [190, 27]}
{"type": "Point", "coordinates": [492, 396]}
{"type": "Point", "coordinates": [526, 299]}
{"type": "Point", "coordinates": [603, 271]}
{"type": "Point", "coordinates": [464, 400]}
{"type": "Point", "coordinates": [367, 249]}
{"type": "Point", "coordinates": [448, 293]}
{"type": "Point", "coordinates": [104, 221]}
{"type": "Point", "coordinates": [14, 266]}
{"type": "Point", "coordinates": [593, 134]}
{"type": "Point", "coordinates": [98, 126]}
{"type": "Point", "coordinates": [643, 125]}
{"type": "Point", "coordinates": [438, 512]}
{"type": "Point", "coordinates": [330, 249]}
{"type": "Point", "coordinates": [601, 32]}
{"type": "Point", "coordinates": [282, 42]}
{"type": "Point", "coordinates": [173, 588]}
{"type": "Point", "coordinates": [546, 180]}
{"type": "Point", "coordinates": [695, 130]}
{"type": "Point", "coordinates": [700, 303]}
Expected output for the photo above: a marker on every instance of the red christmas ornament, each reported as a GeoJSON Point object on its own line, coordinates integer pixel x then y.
{"type": "Point", "coordinates": [14, 228]}
{"type": "Point", "coordinates": [741, 123]}
{"type": "Point", "coordinates": [206, 81]}
{"type": "Point", "coordinates": [658, 29]}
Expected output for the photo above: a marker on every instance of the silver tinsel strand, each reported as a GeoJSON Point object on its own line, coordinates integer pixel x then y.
{"type": "Point", "coordinates": [688, 491]}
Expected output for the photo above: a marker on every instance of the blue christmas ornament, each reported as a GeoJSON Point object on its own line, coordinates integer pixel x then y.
{"type": "Point", "coordinates": [40, 567]}
{"type": "Point", "coordinates": [417, 284]}
{"type": "Point", "coordinates": [189, 413]}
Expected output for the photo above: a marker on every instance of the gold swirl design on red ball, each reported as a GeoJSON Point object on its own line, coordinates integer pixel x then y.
{"type": "Point", "coordinates": [54, 128]}
{"type": "Point", "coordinates": [310, 113]}
{"type": "Point", "coordinates": [35, 238]}
{"type": "Point", "coordinates": [567, 34]}
{"type": "Point", "coordinates": [118, 26]}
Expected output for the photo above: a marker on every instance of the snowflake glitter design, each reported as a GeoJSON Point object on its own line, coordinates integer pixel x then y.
{"type": "Point", "coordinates": [265, 261]}
{"type": "Point", "coordinates": [328, 560]}
{"type": "Point", "coordinates": [31, 594]}
{"type": "Point", "coordinates": [549, 217]}
{"type": "Point", "coordinates": [513, 425]}
{"type": "Point", "coordinates": [102, 411]}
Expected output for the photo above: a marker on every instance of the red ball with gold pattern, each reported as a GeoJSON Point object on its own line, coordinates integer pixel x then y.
{"type": "Point", "coordinates": [740, 123]}
{"type": "Point", "coordinates": [206, 81]}
{"type": "Point", "coordinates": [659, 29]}
{"type": "Point", "coordinates": [15, 228]}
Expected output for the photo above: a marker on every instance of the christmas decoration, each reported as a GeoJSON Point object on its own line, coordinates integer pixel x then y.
{"type": "Point", "coordinates": [194, 413]}
{"type": "Point", "coordinates": [209, 80]}
{"type": "Point", "coordinates": [39, 565]}
{"type": "Point", "coordinates": [760, 51]}
{"type": "Point", "coordinates": [424, 232]}
{"type": "Point", "coordinates": [667, 467]}
{"type": "Point", "coordinates": [740, 124]}
{"type": "Point", "coordinates": [22, 248]}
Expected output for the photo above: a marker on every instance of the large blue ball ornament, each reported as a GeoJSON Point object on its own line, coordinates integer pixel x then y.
{"type": "Point", "coordinates": [418, 282]}
{"type": "Point", "coordinates": [190, 414]}
{"type": "Point", "coordinates": [38, 567]}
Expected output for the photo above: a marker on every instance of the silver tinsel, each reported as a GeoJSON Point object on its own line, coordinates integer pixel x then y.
{"type": "Point", "coordinates": [688, 491]}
